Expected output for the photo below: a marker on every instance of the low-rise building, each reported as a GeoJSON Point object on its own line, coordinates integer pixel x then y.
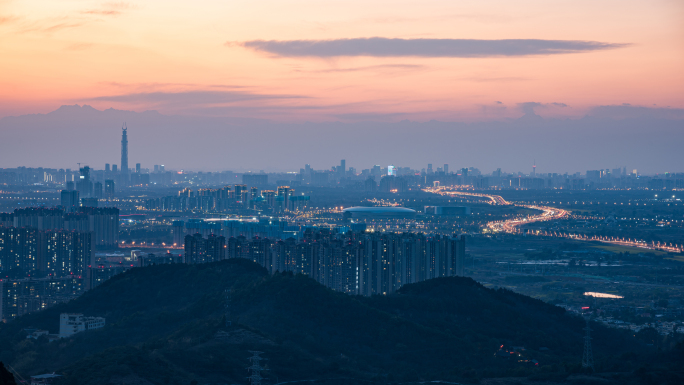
{"type": "Point", "coordinates": [37, 333]}
{"type": "Point", "coordinates": [70, 324]}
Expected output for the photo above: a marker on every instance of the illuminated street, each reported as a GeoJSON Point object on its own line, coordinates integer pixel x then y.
{"type": "Point", "coordinates": [551, 214]}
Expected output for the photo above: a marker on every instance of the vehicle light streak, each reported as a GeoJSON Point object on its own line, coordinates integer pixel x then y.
{"type": "Point", "coordinates": [549, 214]}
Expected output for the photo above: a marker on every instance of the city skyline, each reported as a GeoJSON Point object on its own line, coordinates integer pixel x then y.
{"type": "Point", "coordinates": [648, 143]}
{"type": "Point", "coordinates": [575, 86]}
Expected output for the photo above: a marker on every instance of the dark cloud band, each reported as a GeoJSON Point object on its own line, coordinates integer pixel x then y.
{"type": "Point", "coordinates": [384, 47]}
{"type": "Point", "coordinates": [190, 97]}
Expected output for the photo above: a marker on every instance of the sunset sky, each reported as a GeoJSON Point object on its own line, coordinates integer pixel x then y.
{"type": "Point", "coordinates": [342, 60]}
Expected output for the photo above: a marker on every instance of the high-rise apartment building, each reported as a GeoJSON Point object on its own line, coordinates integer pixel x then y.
{"type": "Point", "coordinates": [285, 192]}
{"type": "Point", "coordinates": [84, 185]}
{"type": "Point", "coordinates": [20, 250]}
{"type": "Point", "coordinates": [97, 190]}
{"type": "Point", "coordinates": [269, 197]}
{"type": "Point", "coordinates": [104, 223]}
{"type": "Point", "coordinates": [29, 252]}
{"type": "Point", "coordinates": [41, 218]}
{"type": "Point", "coordinates": [69, 200]}
{"type": "Point", "coordinates": [354, 263]}
{"type": "Point", "coordinates": [109, 188]}
{"type": "Point", "coordinates": [27, 295]}
{"type": "Point", "coordinates": [66, 253]}
{"type": "Point", "coordinates": [238, 191]}
{"type": "Point", "coordinates": [202, 250]}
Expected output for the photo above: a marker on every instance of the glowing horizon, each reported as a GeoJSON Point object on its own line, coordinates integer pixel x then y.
{"type": "Point", "coordinates": [346, 61]}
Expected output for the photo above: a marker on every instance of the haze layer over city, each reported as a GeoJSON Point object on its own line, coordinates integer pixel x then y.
{"type": "Point", "coordinates": [341, 192]}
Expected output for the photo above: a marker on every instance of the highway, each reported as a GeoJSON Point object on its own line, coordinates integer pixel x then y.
{"type": "Point", "coordinates": [493, 199]}
{"type": "Point", "coordinates": [511, 225]}
{"type": "Point", "coordinates": [669, 247]}
{"type": "Point", "coordinates": [551, 214]}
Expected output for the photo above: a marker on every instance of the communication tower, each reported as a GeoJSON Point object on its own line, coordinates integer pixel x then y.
{"type": "Point", "coordinates": [256, 368]}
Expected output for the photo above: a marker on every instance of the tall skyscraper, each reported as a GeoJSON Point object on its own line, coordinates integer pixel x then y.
{"type": "Point", "coordinates": [429, 170]}
{"type": "Point", "coordinates": [137, 168]}
{"type": "Point", "coordinates": [124, 150]}
{"type": "Point", "coordinates": [446, 168]}
{"type": "Point", "coordinates": [342, 171]}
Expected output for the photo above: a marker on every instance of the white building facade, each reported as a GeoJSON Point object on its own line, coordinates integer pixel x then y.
{"type": "Point", "coordinates": [70, 324]}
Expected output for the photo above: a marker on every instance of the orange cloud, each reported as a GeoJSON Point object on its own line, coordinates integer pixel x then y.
{"type": "Point", "coordinates": [113, 8]}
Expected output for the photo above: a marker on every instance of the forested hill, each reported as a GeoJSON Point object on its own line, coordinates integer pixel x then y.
{"type": "Point", "coordinates": [166, 325]}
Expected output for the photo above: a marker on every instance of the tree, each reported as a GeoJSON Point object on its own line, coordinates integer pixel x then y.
{"type": "Point", "coordinates": [6, 378]}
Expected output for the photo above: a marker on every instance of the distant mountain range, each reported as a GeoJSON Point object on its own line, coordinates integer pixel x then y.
{"type": "Point", "coordinates": [636, 137]}
{"type": "Point", "coordinates": [166, 324]}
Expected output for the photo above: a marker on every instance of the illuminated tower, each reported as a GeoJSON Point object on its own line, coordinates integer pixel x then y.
{"type": "Point", "coordinates": [534, 169]}
{"type": "Point", "coordinates": [124, 151]}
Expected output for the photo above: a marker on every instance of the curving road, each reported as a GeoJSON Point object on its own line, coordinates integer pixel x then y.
{"type": "Point", "coordinates": [551, 214]}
